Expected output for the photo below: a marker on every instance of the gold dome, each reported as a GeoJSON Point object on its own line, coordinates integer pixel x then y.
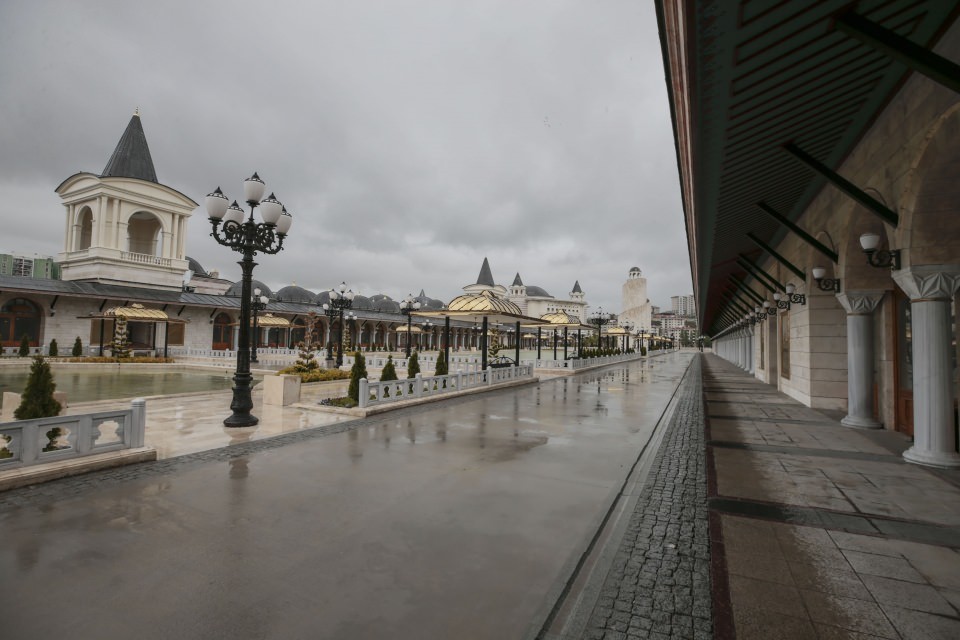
{"type": "Point", "coordinates": [483, 302]}
{"type": "Point", "coordinates": [559, 317]}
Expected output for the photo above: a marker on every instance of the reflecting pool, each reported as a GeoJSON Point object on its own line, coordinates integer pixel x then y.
{"type": "Point", "coordinates": [86, 385]}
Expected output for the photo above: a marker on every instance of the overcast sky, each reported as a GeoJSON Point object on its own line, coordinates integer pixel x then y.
{"type": "Point", "coordinates": [409, 139]}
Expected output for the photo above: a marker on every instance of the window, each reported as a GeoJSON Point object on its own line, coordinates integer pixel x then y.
{"type": "Point", "coordinates": [175, 333]}
{"type": "Point", "coordinates": [19, 317]}
{"type": "Point", "coordinates": [23, 267]}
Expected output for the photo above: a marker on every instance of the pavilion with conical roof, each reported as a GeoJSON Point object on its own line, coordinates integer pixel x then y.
{"type": "Point", "coordinates": [123, 226]}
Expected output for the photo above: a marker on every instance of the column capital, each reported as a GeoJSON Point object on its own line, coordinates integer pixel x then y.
{"type": "Point", "coordinates": [860, 302]}
{"type": "Point", "coordinates": [929, 282]}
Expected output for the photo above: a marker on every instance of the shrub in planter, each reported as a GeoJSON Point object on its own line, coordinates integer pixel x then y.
{"type": "Point", "coordinates": [413, 366]}
{"type": "Point", "coordinates": [54, 349]}
{"type": "Point", "coordinates": [24, 346]}
{"type": "Point", "coordinates": [389, 371]}
{"type": "Point", "coordinates": [77, 348]}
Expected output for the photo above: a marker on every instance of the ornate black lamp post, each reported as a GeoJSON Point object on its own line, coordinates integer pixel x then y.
{"type": "Point", "coordinates": [626, 336]}
{"type": "Point", "coordinates": [258, 303]}
{"type": "Point", "coordinates": [408, 306]}
{"type": "Point", "coordinates": [427, 327]}
{"type": "Point", "coordinates": [232, 228]}
{"type": "Point", "coordinates": [332, 314]}
{"type": "Point", "coordinates": [600, 319]}
{"type": "Point", "coordinates": [340, 300]}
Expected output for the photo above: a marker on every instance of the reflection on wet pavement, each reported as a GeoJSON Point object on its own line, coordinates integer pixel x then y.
{"type": "Point", "coordinates": [451, 520]}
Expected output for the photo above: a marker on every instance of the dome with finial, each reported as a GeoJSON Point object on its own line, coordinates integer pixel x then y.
{"type": "Point", "coordinates": [293, 293]}
{"type": "Point", "coordinates": [429, 304]}
{"type": "Point", "coordinates": [635, 270]}
{"type": "Point", "coordinates": [236, 289]}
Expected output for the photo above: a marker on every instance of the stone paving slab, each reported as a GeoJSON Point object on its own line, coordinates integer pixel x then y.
{"type": "Point", "coordinates": [823, 531]}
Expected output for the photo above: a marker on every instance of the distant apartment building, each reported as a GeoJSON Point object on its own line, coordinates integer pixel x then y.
{"type": "Point", "coordinates": [24, 266]}
{"type": "Point", "coordinates": [683, 305]}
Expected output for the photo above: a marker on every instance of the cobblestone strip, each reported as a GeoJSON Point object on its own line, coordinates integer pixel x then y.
{"type": "Point", "coordinates": [659, 584]}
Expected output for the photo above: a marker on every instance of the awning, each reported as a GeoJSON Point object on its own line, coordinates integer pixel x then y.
{"type": "Point", "coordinates": [475, 306]}
{"type": "Point", "coordinates": [268, 320]}
{"type": "Point", "coordinates": [136, 313]}
{"type": "Point", "coordinates": [413, 329]}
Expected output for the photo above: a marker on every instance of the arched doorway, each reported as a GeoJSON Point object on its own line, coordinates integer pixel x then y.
{"type": "Point", "coordinates": [222, 332]}
{"type": "Point", "coordinates": [19, 317]}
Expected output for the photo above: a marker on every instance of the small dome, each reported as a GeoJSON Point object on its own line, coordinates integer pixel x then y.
{"type": "Point", "coordinates": [635, 270]}
{"type": "Point", "coordinates": [534, 291]}
{"type": "Point", "coordinates": [198, 270]}
{"type": "Point", "coordinates": [323, 297]}
{"type": "Point", "coordinates": [560, 318]}
{"type": "Point", "coordinates": [236, 289]}
{"type": "Point", "coordinates": [377, 297]}
{"type": "Point", "coordinates": [362, 302]}
{"type": "Point", "coordinates": [293, 293]}
{"type": "Point", "coordinates": [483, 301]}
{"type": "Point", "coordinates": [384, 304]}
{"type": "Point", "coordinates": [429, 304]}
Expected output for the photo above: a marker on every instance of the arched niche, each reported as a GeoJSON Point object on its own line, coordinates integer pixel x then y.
{"type": "Point", "coordinates": [20, 317]}
{"type": "Point", "coordinates": [930, 218]}
{"type": "Point", "coordinates": [144, 234]}
{"type": "Point", "coordinates": [84, 233]}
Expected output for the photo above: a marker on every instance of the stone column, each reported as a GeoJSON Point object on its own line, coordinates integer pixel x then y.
{"type": "Point", "coordinates": [860, 306]}
{"type": "Point", "coordinates": [750, 354]}
{"type": "Point", "coordinates": [743, 349]}
{"type": "Point", "coordinates": [931, 288]}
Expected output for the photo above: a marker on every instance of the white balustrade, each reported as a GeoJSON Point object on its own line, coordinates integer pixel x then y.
{"type": "Point", "coordinates": [143, 258]}
{"type": "Point", "coordinates": [378, 392]}
{"type": "Point", "coordinates": [29, 442]}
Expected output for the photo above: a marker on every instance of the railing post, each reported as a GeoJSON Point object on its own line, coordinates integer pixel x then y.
{"type": "Point", "coordinates": [364, 393]}
{"type": "Point", "coordinates": [459, 379]}
{"type": "Point", "coordinates": [418, 385]}
{"type": "Point", "coordinates": [138, 419]}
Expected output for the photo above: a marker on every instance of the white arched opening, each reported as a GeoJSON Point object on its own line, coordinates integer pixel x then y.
{"type": "Point", "coordinates": [143, 234]}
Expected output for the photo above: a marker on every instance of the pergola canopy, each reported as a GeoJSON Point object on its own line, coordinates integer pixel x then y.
{"type": "Point", "coordinates": [136, 313]}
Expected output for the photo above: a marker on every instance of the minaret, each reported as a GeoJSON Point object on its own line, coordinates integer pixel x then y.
{"type": "Point", "coordinates": [636, 305]}
{"type": "Point", "coordinates": [518, 293]}
{"type": "Point", "coordinates": [123, 226]}
{"type": "Point", "coordinates": [577, 292]}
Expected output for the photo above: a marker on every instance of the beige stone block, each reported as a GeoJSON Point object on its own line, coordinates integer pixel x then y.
{"type": "Point", "coordinates": [826, 389]}
{"type": "Point", "coordinates": [828, 345]}
{"type": "Point", "coordinates": [281, 390]}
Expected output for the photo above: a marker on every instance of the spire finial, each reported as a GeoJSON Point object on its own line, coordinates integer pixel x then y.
{"type": "Point", "coordinates": [136, 112]}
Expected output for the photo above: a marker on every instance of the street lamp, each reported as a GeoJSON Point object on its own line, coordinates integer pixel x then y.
{"type": "Point", "coordinates": [600, 319]}
{"type": "Point", "coordinates": [232, 228]}
{"type": "Point", "coordinates": [427, 327]}
{"type": "Point", "coordinates": [626, 336]}
{"type": "Point", "coordinates": [258, 303]}
{"type": "Point", "coordinates": [340, 299]}
{"type": "Point", "coordinates": [350, 319]}
{"type": "Point", "coordinates": [408, 306]}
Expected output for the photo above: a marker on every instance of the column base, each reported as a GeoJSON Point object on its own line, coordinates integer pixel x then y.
{"type": "Point", "coordinates": [941, 459]}
{"type": "Point", "coordinates": [855, 422]}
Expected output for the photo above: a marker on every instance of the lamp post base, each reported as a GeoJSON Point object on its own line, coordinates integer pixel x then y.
{"type": "Point", "coordinates": [242, 403]}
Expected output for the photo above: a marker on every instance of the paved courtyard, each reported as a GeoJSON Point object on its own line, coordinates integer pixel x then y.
{"type": "Point", "coordinates": [461, 519]}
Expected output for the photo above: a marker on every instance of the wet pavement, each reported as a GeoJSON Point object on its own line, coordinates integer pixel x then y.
{"type": "Point", "coordinates": [453, 520]}
{"type": "Point", "coordinates": [822, 531]}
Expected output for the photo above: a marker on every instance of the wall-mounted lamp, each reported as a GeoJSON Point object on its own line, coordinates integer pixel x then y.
{"type": "Point", "coordinates": [782, 303]}
{"type": "Point", "coordinates": [795, 298]}
{"type": "Point", "coordinates": [880, 258]}
{"type": "Point", "coordinates": [825, 284]}
{"type": "Point", "coordinates": [760, 313]}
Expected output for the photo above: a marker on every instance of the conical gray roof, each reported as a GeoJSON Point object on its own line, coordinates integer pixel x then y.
{"type": "Point", "coordinates": [517, 282]}
{"type": "Point", "coordinates": [131, 158]}
{"type": "Point", "coordinates": [485, 277]}
{"type": "Point", "coordinates": [576, 287]}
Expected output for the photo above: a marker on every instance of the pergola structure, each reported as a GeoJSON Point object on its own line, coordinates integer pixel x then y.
{"type": "Point", "coordinates": [484, 307]}
{"type": "Point", "coordinates": [555, 321]}
{"type": "Point", "coordinates": [137, 313]}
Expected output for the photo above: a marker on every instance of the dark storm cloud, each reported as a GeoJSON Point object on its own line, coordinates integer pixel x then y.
{"type": "Point", "coordinates": [409, 139]}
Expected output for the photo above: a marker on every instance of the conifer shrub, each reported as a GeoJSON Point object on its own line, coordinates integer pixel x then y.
{"type": "Point", "coordinates": [120, 347]}
{"type": "Point", "coordinates": [54, 349]}
{"type": "Point", "coordinates": [413, 365]}
{"type": "Point", "coordinates": [359, 370]}
{"type": "Point", "coordinates": [389, 370]}
{"type": "Point", "coordinates": [37, 400]}
{"type": "Point", "coordinates": [77, 348]}
{"type": "Point", "coordinates": [24, 346]}
{"type": "Point", "coordinates": [441, 369]}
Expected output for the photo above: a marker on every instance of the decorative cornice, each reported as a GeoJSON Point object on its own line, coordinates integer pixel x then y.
{"type": "Point", "coordinates": [860, 302]}
{"type": "Point", "coordinates": [929, 282]}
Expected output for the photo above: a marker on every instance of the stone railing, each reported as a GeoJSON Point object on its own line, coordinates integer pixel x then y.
{"type": "Point", "coordinates": [143, 258]}
{"type": "Point", "coordinates": [583, 363]}
{"type": "Point", "coordinates": [379, 392]}
{"type": "Point", "coordinates": [29, 442]}
{"type": "Point", "coordinates": [427, 361]}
